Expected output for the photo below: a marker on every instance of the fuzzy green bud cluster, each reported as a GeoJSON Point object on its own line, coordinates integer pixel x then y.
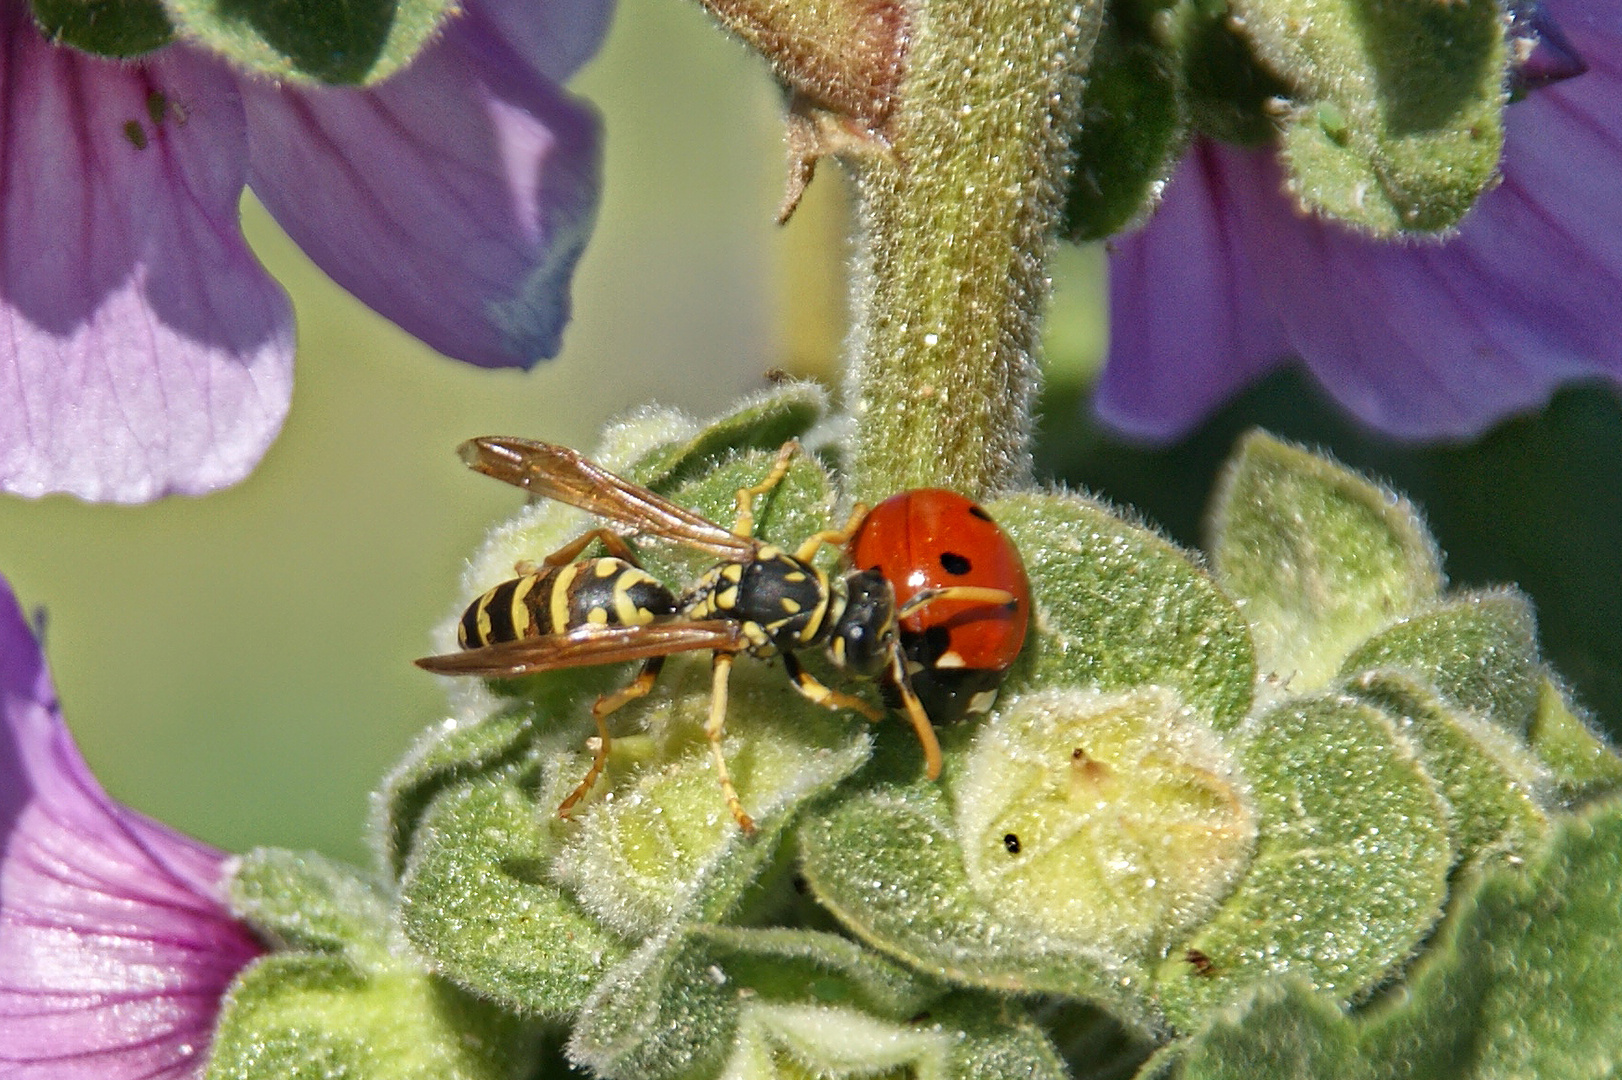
{"type": "Point", "coordinates": [1389, 115]}
{"type": "Point", "coordinates": [1297, 808]}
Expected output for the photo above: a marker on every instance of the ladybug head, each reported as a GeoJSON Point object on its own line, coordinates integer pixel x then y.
{"type": "Point", "coordinates": [865, 632]}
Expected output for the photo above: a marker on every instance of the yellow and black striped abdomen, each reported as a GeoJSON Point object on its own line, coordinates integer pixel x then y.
{"type": "Point", "coordinates": [556, 599]}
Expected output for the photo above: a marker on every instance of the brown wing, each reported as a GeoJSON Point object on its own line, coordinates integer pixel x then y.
{"type": "Point", "coordinates": [560, 473]}
{"type": "Point", "coordinates": [588, 645]}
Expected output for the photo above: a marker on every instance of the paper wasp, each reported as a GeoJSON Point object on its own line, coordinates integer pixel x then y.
{"type": "Point", "coordinates": [758, 599]}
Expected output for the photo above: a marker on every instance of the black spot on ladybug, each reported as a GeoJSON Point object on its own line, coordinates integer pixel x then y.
{"type": "Point", "coordinates": [1011, 842]}
{"type": "Point", "coordinates": [937, 639]}
{"type": "Point", "coordinates": [979, 513]}
{"type": "Point", "coordinates": [955, 564]}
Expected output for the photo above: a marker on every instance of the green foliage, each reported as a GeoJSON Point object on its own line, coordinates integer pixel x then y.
{"type": "Point", "coordinates": [783, 1003]}
{"type": "Point", "coordinates": [1350, 870]}
{"type": "Point", "coordinates": [475, 898]}
{"type": "Point", "coordinates": [1118, 607]}
{"type": "Point", "coordinates": [121, 28]}
{"type": "Point", "coordinates": [1133, 127]}
{"type": "Point", "coordinates": [1395, 112]}
{"type": "Point", "coordinates": [304, 1016]}
{"type": "Point", "coordinates": [303, 901]}
{"type": "Point", "coordinates": [1479, 652]}
{"type": "Point", "coordinates": [339, 997]}
{"type": "Point", "coordinates": [359, 42]}
{"type": "Point", "coordinates": [1320, 558]}
{"type": "Point", "coordinates": [1522, 982]}
{"type": "Point", "coordinates": [1349, 849]}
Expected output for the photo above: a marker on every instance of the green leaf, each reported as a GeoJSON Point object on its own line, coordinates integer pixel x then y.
{"type": "Point", "coordinates": [1117, 607]}
{"type": "Point", "coordinates": [1480, 653]}
{"type": "Point", "coordinates": [444, 756]}
{"type": "Point", "coordinates": [477, 900]}
{"type": "Point", "coordinates": [762, 421]}
{"type": "Point", "coordinates": [1584, 764]}
{"type": "Point", "coordinates": [1395, 119]}
{"type": "Point", "coordinates": [1132, 130]}
{"type": "Point", "coordinates": [118, 28]}
{"type": "Point", "coordinates": [1319, 558]}
{"type": "Point", "coordinates": [672, 1008]}
{"type": "Point", "coordinates": [359, 42]}
{"type": "Point", "coordinates": [1112, 820]}
{"type": "Point", "coordinates": [794, 1003]}
{"type": "Point", "coordinates": [657, 845]}
{"type": "Point", "coordinates": [312, 1017]}
{"type": "Point", "coordinates": [1524, 980]}
{"type": "Point", "coordinates": [302, 900]}
{"type": "Point", "coordinates": [1350, 871]}
{"type": "Point", "coordinates": [1496, 788]}
{"type": "Point", "coordinates": [887, 864]}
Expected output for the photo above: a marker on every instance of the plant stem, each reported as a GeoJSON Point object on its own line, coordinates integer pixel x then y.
{"type": "Point", "coordinates": [956, 220]}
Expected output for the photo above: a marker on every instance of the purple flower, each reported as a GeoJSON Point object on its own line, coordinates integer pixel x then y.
{"type": "Point", "coordinates": [115, 944]}
{"type": "Point", "coordinates": [144, 351]}
{"type": "Point", "coordinates": [1420, 339]}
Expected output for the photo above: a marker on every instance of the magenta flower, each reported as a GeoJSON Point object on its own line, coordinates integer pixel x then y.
{"type": "Point", "coordinates": [115, 944]}
{"type": "Point", "coordinates": [144, 351]}
{"type": "Point", "coordinates": [1421, 339]}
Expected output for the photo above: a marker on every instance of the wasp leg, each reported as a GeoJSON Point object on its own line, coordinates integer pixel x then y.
{"type": "Point", "coordinates": [915, 714]}
{"type": "Point", "coordinates": [832, 537]}
{"type": "Point", "coordinates": [612, 541]}
{"type": "Point", "coordinates": [744, 523]}
{"type": "Point", "coordinates": [722, 666]}
{"type": "Point", "coordinates": [818, 694]}
{"type": "Point", "coordinates": [600, 712]}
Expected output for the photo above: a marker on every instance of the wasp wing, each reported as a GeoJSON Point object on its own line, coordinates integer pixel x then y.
{"type": "Point", "coordinates": [562, 474]}
{"type": "Point", "coordinates": [585, 646]}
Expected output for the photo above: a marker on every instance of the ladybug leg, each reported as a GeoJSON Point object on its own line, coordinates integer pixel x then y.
{"type": "Point", "coordinates": [832, 537]}
{"type": "Point", "coordinates": [722, 668]}
{"type": "Point", "coordinates": [744, 523]}
{"type": "Point", "coordinates": [600, 711]}
{"type": "Point", "coordinates": [915, 714]}
{"type": "Point", "coordinates": [818, 694]}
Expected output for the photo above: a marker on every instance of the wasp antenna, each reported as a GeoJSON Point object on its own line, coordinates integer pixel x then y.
{"type": "Point", "coordinates": [963, 593]}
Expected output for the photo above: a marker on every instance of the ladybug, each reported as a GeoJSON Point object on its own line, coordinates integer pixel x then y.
{"type": "Point", "coordinates": [956, 650]}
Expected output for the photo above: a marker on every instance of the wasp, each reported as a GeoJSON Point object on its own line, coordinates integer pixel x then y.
{"type": "Point", "coordinates": [758, 599]}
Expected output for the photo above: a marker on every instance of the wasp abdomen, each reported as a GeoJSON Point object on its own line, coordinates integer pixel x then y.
{"type": "Point", "coordinates": [557, 599]}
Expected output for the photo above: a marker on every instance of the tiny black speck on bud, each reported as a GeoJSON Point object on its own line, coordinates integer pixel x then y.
{"type": "Point", "coordinates": [1011, 842]}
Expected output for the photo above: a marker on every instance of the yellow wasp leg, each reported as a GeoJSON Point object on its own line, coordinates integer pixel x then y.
{"type": "Point", "coordinates": [817, 693]}
{"type": "Point", "coordinates": [744, 523]}
{"type": "Point", "coordinates": [832, 537]}
{"type": "Point", "coordinates": [722, 667]}
{"type": "Point", "coordinates": [915, 714]}
{"type": "Point", "coordinates": [600, 712]}
{"type": "Point", "coordinates": [568, 553]}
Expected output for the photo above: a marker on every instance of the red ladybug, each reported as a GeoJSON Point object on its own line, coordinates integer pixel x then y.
{"type": "Point", "coordinates": [956, 650]}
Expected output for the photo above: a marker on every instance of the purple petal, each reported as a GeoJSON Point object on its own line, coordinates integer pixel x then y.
{"type": "Point", "coordinates": [555, 37]}
{"type": "Point", "coordinates": [454, 198]}
{"type": "Point", "coordinates": [1187, 327]}
{"type": "Point", "coordinates": [143, 351]}
{"type": "Point", "coordinates": [115, 946]}
{"type": "Point", "coordinates": [1422, 339]}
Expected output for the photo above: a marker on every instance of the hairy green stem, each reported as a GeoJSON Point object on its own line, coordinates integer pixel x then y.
{"type": "Point", "coordinates": [956, 219]}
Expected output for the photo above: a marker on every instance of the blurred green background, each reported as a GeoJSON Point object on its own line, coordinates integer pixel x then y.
{"type": "Point", "coordinates": [239, 665]}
